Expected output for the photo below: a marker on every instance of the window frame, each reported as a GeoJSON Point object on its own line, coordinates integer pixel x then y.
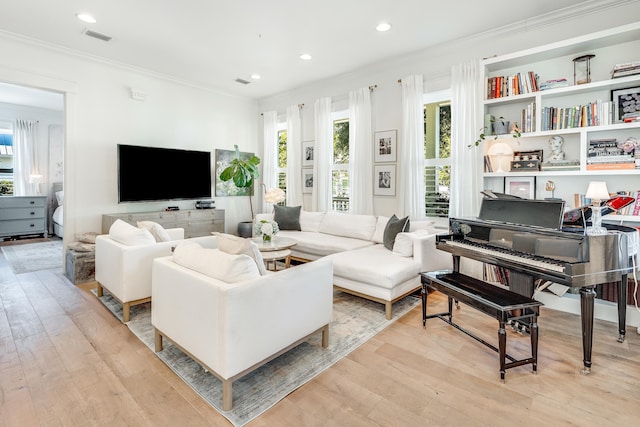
{"type": "Point", "coordinates": [442, 97]}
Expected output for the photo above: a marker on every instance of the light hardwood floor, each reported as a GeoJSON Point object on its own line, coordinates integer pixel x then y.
{"type": "Point", "coordinates": [67, 361]}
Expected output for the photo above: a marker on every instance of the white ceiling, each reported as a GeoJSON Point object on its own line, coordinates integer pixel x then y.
{"type": "Point", "coordinates": [210, 43]}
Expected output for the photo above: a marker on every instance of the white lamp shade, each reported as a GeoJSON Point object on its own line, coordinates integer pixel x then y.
{"type": "Point", "coordinates": [35, 179]}
{"type": "Point", "coordinates": [597, 190]}
{"type": "Point", "coordinates": [274, 195]}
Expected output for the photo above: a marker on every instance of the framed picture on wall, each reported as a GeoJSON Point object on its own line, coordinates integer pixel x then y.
{"type": "Point", "coordinates": [307, 153]}
{"type": "Point", "coordinates": [385, 146]}
{"type": "Point", "coordinates": [384, 180]}
{"type": "Point", "coordinates": [625, 102]}
{"type": "Point", "coordinates": [524, 187]}
{"type": "Point", "coordinates": [307, 180]}
{"type": "Point", "coordinates": [228, 188]}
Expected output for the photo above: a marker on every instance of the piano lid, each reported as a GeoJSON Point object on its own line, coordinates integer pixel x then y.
{"type": "Point", "coordinates": [537, 213]}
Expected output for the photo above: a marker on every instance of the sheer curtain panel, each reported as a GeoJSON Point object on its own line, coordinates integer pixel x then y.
{"type": "Point", "coordinates": [270, 161]}
{"type": "Point", "coordinates": [411, 175]}
{"type": "Point", "coordinates": [294, 154]}
{"type": "Point", "coordinates": [466, 116]}
{"type": "Point", "coordinates": [360, 152]}
{"type": "Point", "coordinates": [323, 152]}
{"type": "Point", "coordinates": [24, 136]}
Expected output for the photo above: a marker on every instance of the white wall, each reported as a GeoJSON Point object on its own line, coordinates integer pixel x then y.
{"type": "Point", "coordinates": [99, 114]}
{"type": "Point", "coordinates": [435, 65]}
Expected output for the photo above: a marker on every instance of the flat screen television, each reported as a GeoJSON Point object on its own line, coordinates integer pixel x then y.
{"type": "Point", "coordinates": [153, 174]}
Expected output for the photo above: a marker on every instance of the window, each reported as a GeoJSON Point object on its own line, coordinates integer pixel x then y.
{"type": "Point", "coordinates": [6, 159]}
{"type": "Point", "coordinates": [437, 153]}
{"type": "Point", "coordinates": [340, 166]}
{"type": "Point", "coordinates": [282, 158]}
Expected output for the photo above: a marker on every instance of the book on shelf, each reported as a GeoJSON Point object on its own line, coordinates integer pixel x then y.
{"type": "Point", "coordinates": [636, 205]}
{"type": "Point", "coordinates": [611, 166]}
{"type": "Point", "coordinates": [515, 84]}
{"type": "Point", "coordinates": [626, 72]}
{"type": "Point", "coordinates": [567, 165]}
{"type": "Point", "coordinates": [552, 84]}
{"type": "Point", "coordinates": [624, 158]}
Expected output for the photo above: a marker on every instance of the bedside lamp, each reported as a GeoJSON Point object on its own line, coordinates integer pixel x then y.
{"type": "Point", "coordinates": [597, 192]}
{"type": "Point", "coordinates": [36, 180]}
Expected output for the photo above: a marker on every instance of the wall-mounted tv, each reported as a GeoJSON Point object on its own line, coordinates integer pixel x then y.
{"type": "Point", "coordinates": [152, 174]}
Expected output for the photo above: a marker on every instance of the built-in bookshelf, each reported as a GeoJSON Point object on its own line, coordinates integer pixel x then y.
{"type": "Point", "coordinates": [551, 105]}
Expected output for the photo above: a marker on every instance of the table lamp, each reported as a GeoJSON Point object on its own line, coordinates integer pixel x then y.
{"type": "Point", "coordinates": [597, 192]}
{"type": "Point", "coordinates": [36, 180]}
{"type": "Point", "coordinates": [273, 195]}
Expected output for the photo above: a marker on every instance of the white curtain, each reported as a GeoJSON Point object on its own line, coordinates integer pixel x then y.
{"type": "Point", "coordinates": [466, 119]}
{"type": "Point", "coordinates": [294, 156]}
{"type": "Point", "coordinates": [360, 152]}
{"type": "Point", "coordinates": [411, 176]}
{"type": "Point", "coordinates": [321, 195]}
{"type": "Point", "coordinates": [24, 136]}
{"type": "Point", "coordinates": [270, 161]}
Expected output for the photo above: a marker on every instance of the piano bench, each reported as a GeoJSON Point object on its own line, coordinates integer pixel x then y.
{"type": "Point", "coordinates": [498, 302]}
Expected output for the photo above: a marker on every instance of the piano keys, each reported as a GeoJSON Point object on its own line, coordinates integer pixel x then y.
{"type": "Point", "coordinates": [526, 237]}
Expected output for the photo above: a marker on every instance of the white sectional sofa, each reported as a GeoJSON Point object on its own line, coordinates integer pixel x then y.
{"type": "Point", "coordinates": [362, 265]}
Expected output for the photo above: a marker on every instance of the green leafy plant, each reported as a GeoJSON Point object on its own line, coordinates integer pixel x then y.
{"type": "Point", "coordinates": [515, 130]}
{"type": "Point", "coordinates": [243, 173]}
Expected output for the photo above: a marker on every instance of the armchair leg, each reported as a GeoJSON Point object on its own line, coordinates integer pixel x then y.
{"type": "Point", "coordinates": [158, 340]}
{"type": "Point", "coordinates": [325, 336]}
{"type": "Point", "coordinates": [126, 311]}
{"type": "Point", "coordinates": [227, 395]}
{"type": "Point", "coordinates": [388, 309]}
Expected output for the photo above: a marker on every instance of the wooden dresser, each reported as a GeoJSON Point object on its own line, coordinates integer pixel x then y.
{"type": "Point", "coordinates": [22, 216]}
{"type": "Point", "coordinates": [196, 222]}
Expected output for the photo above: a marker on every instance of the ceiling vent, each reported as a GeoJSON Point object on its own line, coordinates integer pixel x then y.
{"type": "Point", "coordinates": [97, 35]}
{"type": "Point", "coordinates": [243, 81]}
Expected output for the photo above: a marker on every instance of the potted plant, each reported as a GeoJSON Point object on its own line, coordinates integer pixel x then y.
{"type": "Point", "coordinates": [243, 173]}
{"type": "Point", "coordinates": [501, 128]}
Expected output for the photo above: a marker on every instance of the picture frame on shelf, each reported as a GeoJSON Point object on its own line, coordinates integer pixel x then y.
{"type": "Point", "coordinates": [625, 101]}
{"type": "Point", "coordinates": [521, 186]}
{"type": "Point", "coordinates": [384, 180]}
{"type": "Point", "coordinates": [307, 180]}
{"type": "Point", "coordinates": [307, 153]}
{"type": "Point", "coordinates": [385, 146]}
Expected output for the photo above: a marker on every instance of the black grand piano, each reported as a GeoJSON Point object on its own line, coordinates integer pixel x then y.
{"type": "Point", "coordinates": [527, 237]}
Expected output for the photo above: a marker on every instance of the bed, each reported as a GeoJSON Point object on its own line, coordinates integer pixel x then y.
{"type": "Point", "coordinates": [56, 218]}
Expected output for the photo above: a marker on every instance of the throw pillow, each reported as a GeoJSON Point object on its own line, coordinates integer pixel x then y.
{"type": "Point", "coordinates": [394, 226]}
{"type": "Point", "coordinates": [126, 234]}
{"type": "Point", "coordinates": [215, 263]}
{"type": "Point", "coordinates": [235, 245]}
{"type": "Point", "coordinates": [287, 217]}
{"type": "Point", "coordinates": [381, 224]}
{"type": "Point", "coordinates": [403, 245]}
{"type": "Point", "coordinates": [157, 231]}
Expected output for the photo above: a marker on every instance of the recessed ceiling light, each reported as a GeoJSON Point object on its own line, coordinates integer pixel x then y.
{"type": "Point", "coordinates": [305, 56]}
{"type": "Point", "coordinates": [383, 26]}
{"type": "Point", "coordinates": [255, 76]}
{"type": "Point", "coordinates": [85, 17]}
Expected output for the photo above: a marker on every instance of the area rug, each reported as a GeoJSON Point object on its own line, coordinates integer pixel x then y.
{"type": "Point", "coordinates": [355, 320]}
{"type": "Point", "coordinates": [30, 257]}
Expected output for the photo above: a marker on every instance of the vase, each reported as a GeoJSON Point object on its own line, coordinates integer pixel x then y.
{"type": "Point", "coordinates": [266, 238]}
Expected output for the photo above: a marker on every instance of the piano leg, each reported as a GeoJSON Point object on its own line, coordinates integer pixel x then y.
{"type": "Point", "coordinates": [623, 290]}
{"type": "Point", "coordinates": [587, 297]}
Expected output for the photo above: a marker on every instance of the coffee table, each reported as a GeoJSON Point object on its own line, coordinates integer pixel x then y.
{"type": "Point", "coordinates": [276, 249]}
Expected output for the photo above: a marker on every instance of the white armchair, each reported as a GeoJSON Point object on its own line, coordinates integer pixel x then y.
{"type": "Point", "coordinates": [125, 270]}
{"type": "Point", "coordinates": [233, 328]}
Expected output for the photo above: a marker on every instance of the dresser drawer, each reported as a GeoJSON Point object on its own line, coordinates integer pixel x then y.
{"type": "Point", "coordinates": [15, 227]}
{"type": "Point", "coordinates": [22, 202]}
{"type": "Point", "coordinates": [21, 213]}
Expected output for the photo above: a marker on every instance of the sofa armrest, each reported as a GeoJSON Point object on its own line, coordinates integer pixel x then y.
{"type": "Point", "coordinates": [175, 233]}
{"type": "Point", "coordinates": [425, 252]}
{"type": "Point", "coordinates": [231, 327]}
{"type": "Point", "coordinates": [126, 270]}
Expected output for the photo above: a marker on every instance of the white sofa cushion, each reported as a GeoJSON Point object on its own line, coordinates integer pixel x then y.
{"type": "Point", "coordinates": [127, 234]}
{"type": "Point", "coordinates": [237, 245]}
{"type": "Point", "coordinates": [394, 226]}
{"type": "Point", "coordinates": [215, 263]}
{"type": "Point", "coordinates": [378, 234]}
{"type": "Point", "coordinates": [320, 244]}
{"type": "Point", "coordinates": [348, 225]}
{"type": "Point", "coordinates": [157, 231]}
{"type": "Point", "coordinates": [310, 221]}
{"type": "Point", "coordinates": [375, 266]}
{"type": "Point", "coordinates": [403, 245]}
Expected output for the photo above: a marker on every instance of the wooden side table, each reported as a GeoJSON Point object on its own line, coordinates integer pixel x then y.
{"type": "Point", "coordinates": [275, 256]}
